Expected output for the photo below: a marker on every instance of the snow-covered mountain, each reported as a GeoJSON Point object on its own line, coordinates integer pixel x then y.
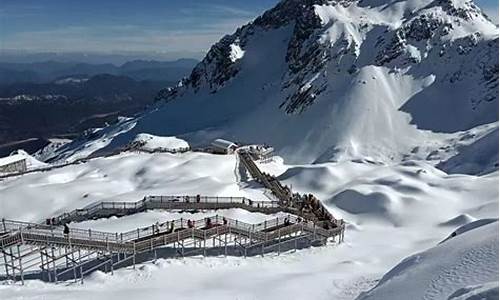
{"type": "Point", "coordinates": [326, 80]}
{"type": "Point", "coordinates": [372, 104]}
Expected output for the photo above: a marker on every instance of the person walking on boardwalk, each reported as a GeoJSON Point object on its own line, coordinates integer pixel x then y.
{"type": "Point", "coordinates": [66, 230]}
{"type": "Point", "coordinates": [224, 220]}
{"type": "Point", "coordinates": [157, 227]}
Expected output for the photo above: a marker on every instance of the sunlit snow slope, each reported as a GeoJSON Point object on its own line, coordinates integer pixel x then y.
{"type": "Point", "coordinates": [392, 210]}
{"type": "Point", "coordinates": [463, 267]}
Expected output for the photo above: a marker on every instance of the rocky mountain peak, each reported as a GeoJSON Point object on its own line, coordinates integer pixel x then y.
{"type": "Point", "coordinates": [328, 80]}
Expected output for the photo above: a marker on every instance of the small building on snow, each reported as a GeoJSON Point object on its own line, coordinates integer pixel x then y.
{"type": "Point", "coordinates": [223, 147]}
{"type": "Point", "coordinates": [13, 164]}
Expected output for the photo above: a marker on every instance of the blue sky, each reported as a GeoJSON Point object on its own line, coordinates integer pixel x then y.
{"type": "Point", "coordinates": [184, 28]}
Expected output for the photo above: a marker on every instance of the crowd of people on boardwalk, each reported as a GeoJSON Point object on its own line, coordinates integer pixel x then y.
{"type": "Point", "coordinates": [306, 203]}
{"type": "Point", "coordinates": [208, 223]}
{"type": "Point", "coordinates": [51, 221]}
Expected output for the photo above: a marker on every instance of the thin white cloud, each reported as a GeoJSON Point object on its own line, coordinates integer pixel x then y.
{"type": "Point", "coordinates": [125, 37]}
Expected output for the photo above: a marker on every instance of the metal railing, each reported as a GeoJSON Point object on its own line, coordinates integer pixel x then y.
{"type": "Point", "coordinates": [166, 202]}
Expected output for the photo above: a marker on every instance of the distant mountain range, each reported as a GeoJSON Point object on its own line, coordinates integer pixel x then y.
{"type": "Point", "coordinates": [43, 99]}
{"type": "Point", "coordinates": [47, 71]}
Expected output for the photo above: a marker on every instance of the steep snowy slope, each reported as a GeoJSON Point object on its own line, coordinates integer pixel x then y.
{"type": "Point", "coordinates": [323, 80]}
{"type": "Point", "coordinates": [463, 267]}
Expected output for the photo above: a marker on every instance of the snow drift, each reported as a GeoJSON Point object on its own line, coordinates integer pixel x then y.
{"type": "Point", "coordinates": [464, 267]}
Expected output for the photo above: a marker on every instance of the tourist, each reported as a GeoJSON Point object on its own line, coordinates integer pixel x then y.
{"type": "Point", "coordinates": [66, 230]}
{"type": "Point", "coordinates": [157, 227]}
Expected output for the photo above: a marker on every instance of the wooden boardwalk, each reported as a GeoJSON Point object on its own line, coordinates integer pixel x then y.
{"type": "Point", "coordinates": [44, 251]}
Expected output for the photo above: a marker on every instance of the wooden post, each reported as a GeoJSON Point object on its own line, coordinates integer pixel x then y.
{"type": "Point", "coordinates": [192, 236]}
{"type": "Point", "coordinates": [214, 241]}
{"type": "Point", "coordinates": [41, 265]}
{"type": "Point", "coordinates": [79, 261]}
{"type": "Point", "coordinates": [7, 266]}
{"type": "Point", "coordinates": [225, 241]}
{"type": "Point", "coordinates": [47, 263]}
{"type": "Point", "coordinates": [204, 242]}
{"type": "Point", "coordinates": [112, 262]}
{"type": "Point", "coordinates": [133, 257]}
{"type": "Point", "coordinates": [295, 242]}
{"type": "Point", "coordinates": [54, 264]}
{"type": "Point", "coordinates": [12, 264]}
{"type": "Point", "coordinates": [74, 263]}
{"type": "Point", "coordinates": [279, 241]}
{"type": "Point", "coordinates": [20, 264]}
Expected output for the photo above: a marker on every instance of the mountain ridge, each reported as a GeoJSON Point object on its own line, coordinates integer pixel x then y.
{"type": "Point", "coordinates": [333, 80]}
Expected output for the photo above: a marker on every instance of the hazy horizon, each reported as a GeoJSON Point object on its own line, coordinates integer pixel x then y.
{"type": "Point", "coordinates": [93, 57]}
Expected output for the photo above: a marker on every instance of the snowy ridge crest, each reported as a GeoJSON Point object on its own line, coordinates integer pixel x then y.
{"type": "Point", "coordinates": [328, 36]}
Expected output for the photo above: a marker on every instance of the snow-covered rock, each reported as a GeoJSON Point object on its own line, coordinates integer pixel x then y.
{"type": "Point", "coordinates": [151, 142]}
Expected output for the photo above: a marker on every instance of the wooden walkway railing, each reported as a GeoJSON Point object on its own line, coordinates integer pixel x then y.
{"type": "Point", "coordinates": [106, 209]}
{"type": "Point", "coordinates": [293, 202]}
{"type": "Point", "coordinates": [307, 221]}
{"type": "Point", "coordinates": [14, 234]}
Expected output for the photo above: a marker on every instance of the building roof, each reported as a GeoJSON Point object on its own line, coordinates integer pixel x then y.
{"type": "Point", "coordinates": [223, 144]}
{"type": "Point", "coordinates": [11, 159]}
